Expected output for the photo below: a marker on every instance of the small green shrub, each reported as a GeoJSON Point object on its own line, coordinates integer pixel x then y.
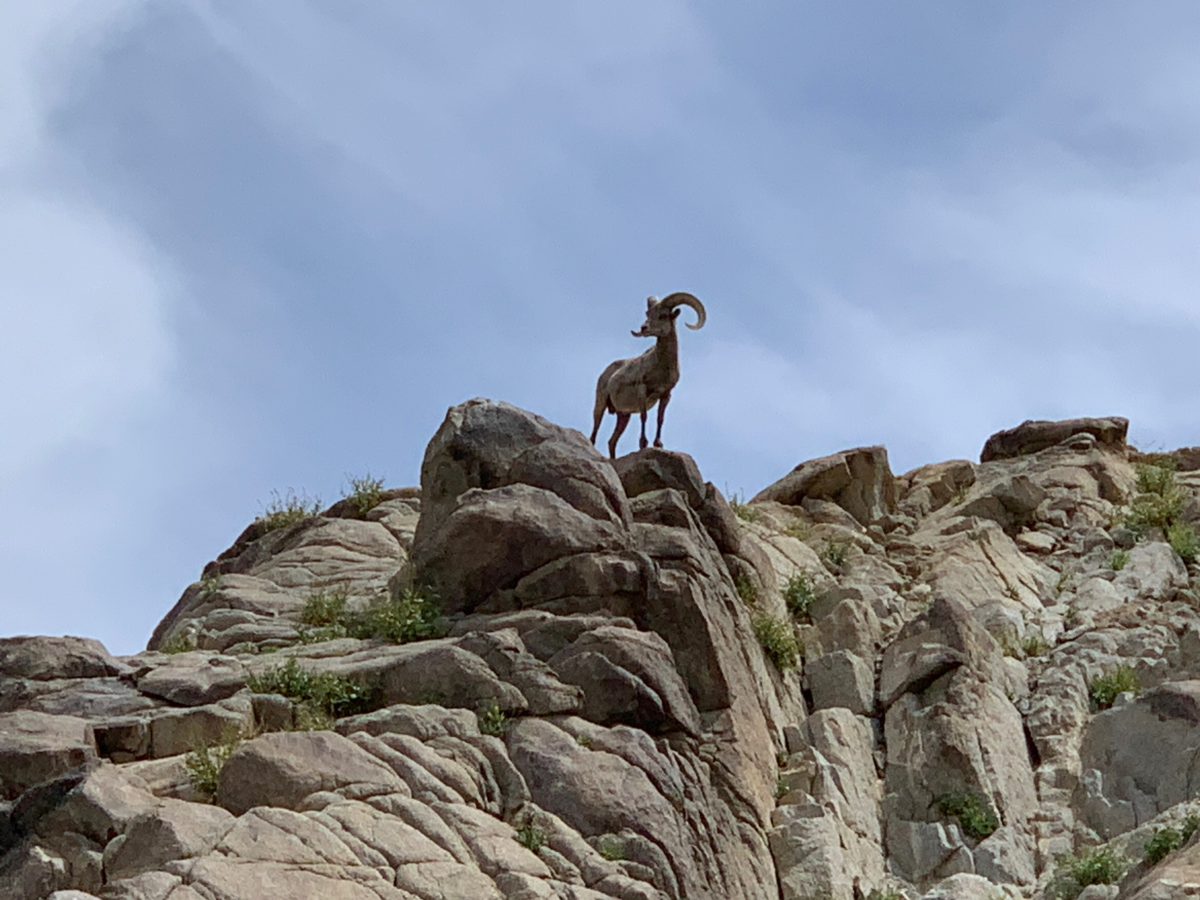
{"type": "Point", "coordinates": [778, 640]}
{"type": "Point", "coordinates": [611, 849]}
{"type": "Point", "coordinates": [799, 596]}
{"type": "Point", "coordinates": [801, 531]}
{"type": "Point", "coordinates": [1107, 688]}
{"type": "Point", "coordinates": [1157, 477]}
{"type": "Point", "coordinates": [324, 608]}
{"type": "Point", "coordinates": [1184, 541]}
{"type": "Point", "coordinates": [885, 895]}
{"type": "Point", "coordinates": [743, 510]}
{"type": "Point", "coordinates": [531, 837]}
{"type": "Point", "coordinates": [322, 696]}
{"type": "Point", "coordinates": [413, 616]}
{"type": "Point", "coordinates": [1119, 560]}
{"type": "Point", "coordinates": [1034, 645]}
{"type": "Point", "coordinates": [835, 553]}
{"type": "Point", "coordinates": [209, 585]}
{"type": "Point", "coordinates": [1189, 827]}
{"type": "Point", "coordinates": [365, 494]}
{"type": "Point", "coordinates": [179, 643]}
{"type": "Point", "coordinates": [204, 764]}
{"type": "Point", "coordinates": [747, 590]}
{"type": "Point", "coordinates": [287, 509]}
{"type": "Point", "coordinates": [492, 719]}
{"type": "Point", "coordinates": [973, 812]}
{"type": "Point", "coordinates": [1073, 874]}
{"type": "Point", "coordinates": [1163, 842]}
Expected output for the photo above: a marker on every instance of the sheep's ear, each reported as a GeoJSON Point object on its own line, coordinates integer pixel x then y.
{"type": "Point", "coordinates": [675, 315]}
{"type": "Point", "coordinates": [649, 303]}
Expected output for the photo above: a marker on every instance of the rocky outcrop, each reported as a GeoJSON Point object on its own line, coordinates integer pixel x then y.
{"type": "Point", "coordinates": [856, 683]}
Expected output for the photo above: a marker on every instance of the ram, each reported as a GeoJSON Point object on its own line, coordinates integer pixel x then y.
{"type": "Point", "coordinates": [631, 386]}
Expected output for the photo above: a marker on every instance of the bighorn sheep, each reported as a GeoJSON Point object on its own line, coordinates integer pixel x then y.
{"type": "Point", "coordinates": [634, 385]}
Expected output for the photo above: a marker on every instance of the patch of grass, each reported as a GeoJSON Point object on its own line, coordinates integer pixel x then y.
{"type": "Point", "coordinates": [1074, 873]}
{"type": "Point", "coordinates": [492, 719]}
{"type": "Point", "coordinates": [287, 509]}
{"type": "Point", "coordinates": [1105, 689]}
{"type": "Point", "coordinates": [1163, 842]}
{"type": "Point", "coordinates": [204, 764]}
{"type": "Point", "coordinates": [413, 616]}
{"type": "Point", "coordinates": [209, 585]}
{"type": "Point", "coordinates": [531, 837]}
{"type": "Point", "coordinates": [1119, 560]}
{"type": "Point", "coordinates": [799, 596]}
{"type": "Point", "coordinates": [365, 494]}
{"type": "Point", "coordinates": [324, 608]}
{"type": "Point", "coordinates": [1190, 826]}
{"type": "Point", "coordinates": [885, 895]}
{"type": "Point", "coordinates": [610, 849]}
{"type": "Point", "coordinates": [179, 643]}
{"type": "Point", "coordinates": [1157, 477]}
{"type": "Point", "coordinates": [1184, 541]}
{"type": "Point", "coordinates": [321, 696]}
{"type": "Point", "coordinates": [584, 741]}
{"type": "Point", "coordinates": [972, 811]}
{"type": "Point", "coordinates": [1034, 645]}
{"type": "Point", "coordinates": [801, 531]}
{"type": "Point", "coordinates": [835, 553]}
{"type": "Point", "coordinates": [743, 510]}
{"type": "Point", "coordinates": [747, 590]}
{"type": "Point", "coordinates": [778, 640]}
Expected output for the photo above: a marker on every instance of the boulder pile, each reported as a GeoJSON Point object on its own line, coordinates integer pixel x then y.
{"type": "Point", "coordinates": [545, 675]}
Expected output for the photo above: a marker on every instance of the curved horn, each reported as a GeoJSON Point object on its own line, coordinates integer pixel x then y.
{"type": "Point", "coordinates": [682, 299]}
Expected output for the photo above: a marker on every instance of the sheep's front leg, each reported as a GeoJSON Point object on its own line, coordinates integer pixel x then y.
{"type": "Point", "coordinates": [622, 421]}
{"type": "Point", "coordinates": [662, 411]}
{"type": "Point", "coordinates": [643, 443]}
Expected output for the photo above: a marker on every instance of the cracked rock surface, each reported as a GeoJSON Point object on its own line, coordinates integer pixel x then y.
{"type": "Point", "coordinates": [604, 707]}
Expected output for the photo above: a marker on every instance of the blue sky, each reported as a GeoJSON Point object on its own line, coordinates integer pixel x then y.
{"type": "Point", "coordinates": [248, 247]}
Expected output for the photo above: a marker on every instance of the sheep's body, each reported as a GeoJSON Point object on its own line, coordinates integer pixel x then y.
{"type": "Point", "coordinates": [635, 385]}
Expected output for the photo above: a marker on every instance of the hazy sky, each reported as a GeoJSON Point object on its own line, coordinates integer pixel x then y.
{"type": "Point", "coordinates": [248, 246]}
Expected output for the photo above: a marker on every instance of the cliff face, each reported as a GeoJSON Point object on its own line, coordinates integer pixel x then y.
{"type": "Point", "coordinates": [933, 685]}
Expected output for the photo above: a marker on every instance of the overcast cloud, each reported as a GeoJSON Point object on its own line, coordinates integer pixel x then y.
{"type": "Point", "coordinates": [247, 247]}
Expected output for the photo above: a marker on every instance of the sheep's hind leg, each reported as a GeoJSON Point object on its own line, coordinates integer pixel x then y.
{"type": "Point", "coordinates": [662, 411]}
{"type": "Point", "coordinates": [643, 443]}
{"type": "Point", "coordinates": [622, 421]}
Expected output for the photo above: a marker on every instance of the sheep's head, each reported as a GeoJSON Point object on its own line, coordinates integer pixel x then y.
{"type": "Point", "coordinates": [661, 315]}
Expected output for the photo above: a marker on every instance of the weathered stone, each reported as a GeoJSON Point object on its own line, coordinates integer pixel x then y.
{"type": "Point", "coordinates": [843, 679]}
{"type": "Point", "coordinates": [860, 481]}
{"type": "Point", "coordinates": [175, 830]}
{"type": "Point", "coordinates": [283, 769]}
{"type": "Point", "coordinates": [46, 658]}
{"type": "Point", "coordinates": [193, 679]}
{"type": "Point", "coordinates": [35, 747]}
{"type": "Point", "coordinates": [1031, 436]}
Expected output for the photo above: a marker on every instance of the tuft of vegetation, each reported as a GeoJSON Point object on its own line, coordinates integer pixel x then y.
{"type": "Point", "coordinates": [778, 640]}
{"type": "Point", "coordinates": [321, 697]}
{"type": "Point", "coordinates": [611, 849]}
{"type": "Point", "coordinates": [287, 509]}
{"type": "Point", "coordinates": [1074, 873]}
{"type": "Point", "coordinates": [179, 643]}
{"type": "Point", "coordinates": [885, 895]}
{"type": "Point", "coordinates": [1034, 645]}
{"type": "Point", "coordinates": [1159, 502]}
{"type": "Point", "coordinates": [365, 494]}
{"type": "Point", "coordinates": [1189, 827]}
{"type": "Point", "coordinates": [747, 590]}
{"type": "Point", "coordinates": [1184, 541]}
{"type": "Point", "coordinates": [800, 530]}
{"type": "Point", "coordinates": [492, 719]}
{"type": "Point", "coordinates": [1119, 560]}
{"type": "Point", "coordinates": [1162, 842]}
{"type": "Point", "coordinates": [972, 811]}
{"type": "Point", "coordinates": [1156, 476]}
{"type": "Point", "coordinates": [204, 764]}
{"type": "Point", "coordinates": [799, 596]}
{"type": "Point", "coordinates": [835, 553]}
{"type": "Point", "coordinates": [325, 608]}
{"type": "Point", "coordinates": [1107, 688]}
{"type": "Point", "coordinates": [531, 837]}
{"type": "Point", "coordinates": [209, 585]}
{"type": "Point", "coordinates": [412, 616]}
{"type": "Point", "coordinates": [743, 510]}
